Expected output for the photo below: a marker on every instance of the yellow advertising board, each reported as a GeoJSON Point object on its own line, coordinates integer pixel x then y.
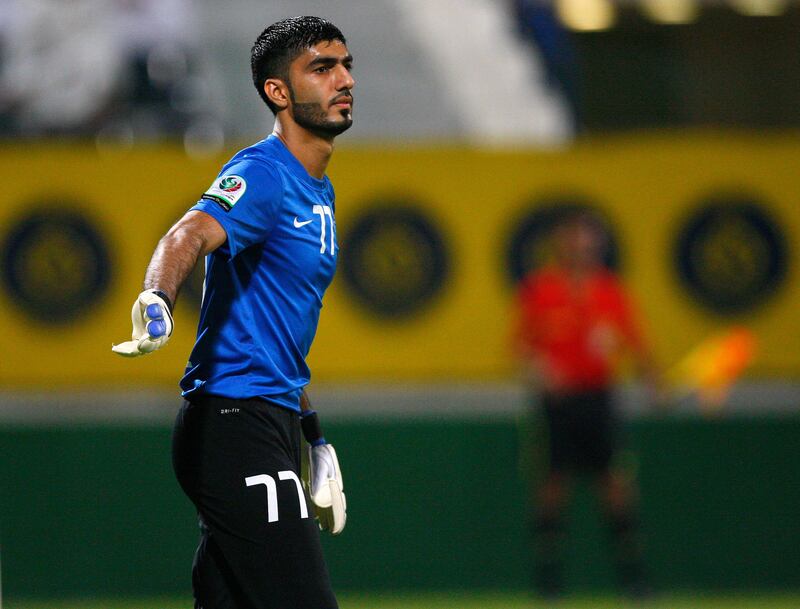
{"type": "Point", "coordinates": [705, 227]}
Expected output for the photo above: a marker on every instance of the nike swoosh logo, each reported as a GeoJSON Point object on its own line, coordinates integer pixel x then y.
{"type": "Point", "coordinates": [298, 224]}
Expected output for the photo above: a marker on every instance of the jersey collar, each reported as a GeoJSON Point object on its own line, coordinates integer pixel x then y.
{"type": "Point", "coordinates": [295, 166]}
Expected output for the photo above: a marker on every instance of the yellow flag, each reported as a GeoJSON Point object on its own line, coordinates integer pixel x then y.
{"type": "Point", "coordinates": [711, 368]}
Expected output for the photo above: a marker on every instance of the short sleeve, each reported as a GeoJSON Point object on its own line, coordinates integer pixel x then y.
{"type": "Point", "coordinates": [245, 199]}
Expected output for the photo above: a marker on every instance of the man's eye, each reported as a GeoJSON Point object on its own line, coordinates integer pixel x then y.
{"type": "Point", "coordinates": [321, 70]}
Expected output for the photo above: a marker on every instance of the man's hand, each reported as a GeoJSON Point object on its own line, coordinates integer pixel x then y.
{"type": "Point", "coordinates": [325, 483]}
{"type": "Point", "coordinates": [152, 325]}
{"type": "Point", "coordinates": [326, 488]}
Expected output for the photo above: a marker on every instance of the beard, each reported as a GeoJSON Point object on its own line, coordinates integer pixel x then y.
{"type": "Point", "coordinates": [312, 117]}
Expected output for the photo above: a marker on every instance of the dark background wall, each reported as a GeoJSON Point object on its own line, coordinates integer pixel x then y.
{"type": "Point", "coordinates": [722, 69]}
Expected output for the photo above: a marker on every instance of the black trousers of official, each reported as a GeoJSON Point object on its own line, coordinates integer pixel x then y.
{"type": "Point", "coordinates": [582, 431]}
{"type": "Point", "coordinates": [239, 463]}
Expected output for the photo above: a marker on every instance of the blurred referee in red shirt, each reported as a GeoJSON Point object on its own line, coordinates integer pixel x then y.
{"type": "Point", "coordinates": [575, 321]}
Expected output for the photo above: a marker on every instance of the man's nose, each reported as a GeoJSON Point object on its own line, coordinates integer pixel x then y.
{"type": "Point", "coordinates": [346, 80]}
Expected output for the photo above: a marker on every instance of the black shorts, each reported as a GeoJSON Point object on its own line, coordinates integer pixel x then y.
{"type": "Point", "coordinates": [581, 431]}
{"type": "Point", "coordinates": [239, 463]}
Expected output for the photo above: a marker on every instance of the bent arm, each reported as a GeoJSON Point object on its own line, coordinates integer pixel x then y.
{"type": "Point", "coordinates": [194, 235]}
{"type": "Point", "coordinates": [305, 403]}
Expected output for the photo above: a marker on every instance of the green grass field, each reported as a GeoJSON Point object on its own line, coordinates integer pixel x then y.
{"type": "Point", "coordinates": [461, 601]}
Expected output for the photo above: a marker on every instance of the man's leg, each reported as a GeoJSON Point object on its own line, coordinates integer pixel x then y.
{"type": "Point", "coordinates": [616, 489]}
{"type": "Point", "coordinates": [551, 497]}
{"type": "Point", "coordinates": [212, 581]}
{"type": "Point", "coordinates": [618, 495]}
{"type": "Point", "coordinates": [239, 462]}
{"type": "Point", "coordinates": [548, 532]}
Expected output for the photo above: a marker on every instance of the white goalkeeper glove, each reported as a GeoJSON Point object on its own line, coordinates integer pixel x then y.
{"type": "Point", "coordinates": [152, 325]}
{"type": "Point", "coordinates": [326, 488]}
{"type": "Point", "coordinates": [325, 483]}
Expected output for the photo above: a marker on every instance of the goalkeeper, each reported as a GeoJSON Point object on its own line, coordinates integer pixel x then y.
{"type": "Point", "coordinates": [266, 228]}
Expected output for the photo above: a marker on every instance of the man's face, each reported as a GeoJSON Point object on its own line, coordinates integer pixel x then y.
{"type": "Point", "coordinates": [320, 89]}
{"type": "Point", "coordinates": [580, 244]}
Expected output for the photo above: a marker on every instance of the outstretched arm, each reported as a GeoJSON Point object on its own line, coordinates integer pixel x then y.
{"type": "Point", "coordinates": [636, 341]}
{"type": "Point", "coordinates": [194, 235]}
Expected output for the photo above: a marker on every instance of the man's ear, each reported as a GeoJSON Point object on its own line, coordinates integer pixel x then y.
{"type": "Point", "coordinates": [277, 92]}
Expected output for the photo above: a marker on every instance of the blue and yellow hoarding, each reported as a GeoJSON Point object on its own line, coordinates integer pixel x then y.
{"type": "Point", "coordinates": [705, 228]}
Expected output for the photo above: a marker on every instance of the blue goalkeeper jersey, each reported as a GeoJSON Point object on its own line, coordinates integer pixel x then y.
{"type": "Point", "coordinates": [263, 288]}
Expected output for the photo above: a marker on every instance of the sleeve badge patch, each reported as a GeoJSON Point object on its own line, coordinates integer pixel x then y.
{"type": "Point", "coordinates": [226, 191]}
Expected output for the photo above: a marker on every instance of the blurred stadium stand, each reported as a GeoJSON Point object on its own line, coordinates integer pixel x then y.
{"type": "Point", "coordinates": [140, 68]}
{"type": "Point", "coordinates": [122, 70]}
{"type": "Point", "coordinates": [475, 119]}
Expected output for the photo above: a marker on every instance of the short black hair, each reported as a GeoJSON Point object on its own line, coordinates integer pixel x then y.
{"type": "Point", "coordinates": [281, 43]}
